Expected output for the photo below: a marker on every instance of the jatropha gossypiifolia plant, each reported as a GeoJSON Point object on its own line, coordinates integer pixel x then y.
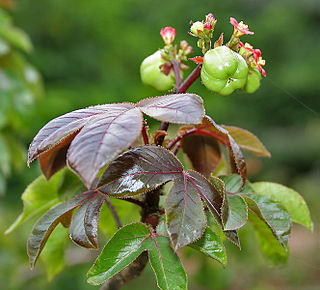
{"type": "Point", "coordinates": [116, 157]}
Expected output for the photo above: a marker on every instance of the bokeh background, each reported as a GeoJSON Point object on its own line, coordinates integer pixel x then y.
{"type": "Point", "coordinates": [89, 52]}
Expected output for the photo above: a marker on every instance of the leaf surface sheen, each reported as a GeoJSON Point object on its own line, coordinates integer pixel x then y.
{"type": "Point", "coordinates": [139, 170]}
{"type": "Point", "coordinates": [101, 139]}
{"type": "Point", "coordinates": [127, 244]}
{"type": "Point", "coordinates": [176, 108]}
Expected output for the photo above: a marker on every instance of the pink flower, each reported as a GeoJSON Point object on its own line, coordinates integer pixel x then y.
{"type": "Point", "coordinates": [239, 28]}
{"type": "Point", "coordinates": [207, 25]}
{"type": "Point", "coordinates": [259, 61]}
{"type": "Point", "coordinates": [210, 18]}
{"type": "Point", "coordinates": [168, 35]}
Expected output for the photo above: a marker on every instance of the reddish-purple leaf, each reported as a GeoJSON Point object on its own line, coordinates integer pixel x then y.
{"type": "Point", "coordinates": [84, 225]}
{"type": "Point", "coordinates": [58, 129]}
{"type": "Point", "coordinates": [47, 223]}
{"type": "Point", "coordinates": [176, 108]}
{"type": "Point", "coordinates": [139, 170]}
{"type": "Point", "coordinates": [237, 161]}
{"type": "Point", "coordinates": [247, 141]}
{"type": "Point", "coordinates": [186, 220]}
{"type": "Point", "coordinates": [54, 159]}
{"type": "Point", "coordinates": [102, 138]}
{"type": "Point", "coordinates": [203, 151]}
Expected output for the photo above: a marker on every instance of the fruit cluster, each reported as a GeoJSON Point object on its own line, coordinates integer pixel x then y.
{"type": "Point", "coordinates": [225, 67]}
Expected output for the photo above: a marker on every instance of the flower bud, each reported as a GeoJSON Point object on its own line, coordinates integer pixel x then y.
{"type": "Point", "coordinates": [197, 28]}
{"type": "Point", "coordinates": [168, 35]}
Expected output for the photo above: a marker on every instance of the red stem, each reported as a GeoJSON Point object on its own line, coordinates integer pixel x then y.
{"type": "Point", "coordinates": [145, 135]}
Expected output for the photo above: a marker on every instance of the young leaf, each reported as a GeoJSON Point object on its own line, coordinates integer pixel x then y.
{"type": "Point", "coordinates": [203, 151]}
{"type": "Point", "coordinates": [269, 244]}
{"type": "Point", "coordinates": [53, 254]}
{"type": "Point", "coordinates": [186, 220]}
{"type": "Point", "coordinates": [247, 141]}
{"type": "Point", "coordinates": [233, 183]}
{"type": "Point", "coordinates": [292, 200]}
{"type": "Point", "coordinates": [234, 212]}
{"type": "Point", "coordinates": [102, 138]}
{"type": "Point", "coordinates": [38, 197]}
{"type": "Point", "coordinates": [84, 225]}
{"type": "Point", "coordinates": [127, 244]}
{"type": "Point", "coordinates": [211, 245]}
{"type": "Point", "coordinates": [273, 214]}
{"type": "Point", "coordinates": [139, 170]}
{"type": "Point", "coordinates": [47, 223]}
{"type": "Point", "coordinates": [237, 161]}
{"type": "Point", "coordinates": [176, 108]}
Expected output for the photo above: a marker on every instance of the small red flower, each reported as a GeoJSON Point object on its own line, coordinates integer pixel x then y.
{"type": "Point", "coordinates": [168, 35]}
{"type": "Point", "coordinates": [207, 25]}
{"type": "Point", "coordinates": [259, 61]}
{"type": "Point", "coordinates": [239, 28]}
{"type": "Point", "coordinates": [210, 18]}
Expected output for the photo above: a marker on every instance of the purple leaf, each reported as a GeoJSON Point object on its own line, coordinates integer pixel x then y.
{"type": "Point", "coordinates": [203, 151]}
{"type": "Point", "coordinates": [139, 170]}
{"type": "Point", "coordinates": [102, 138]}
{"type": "Point", "coordinates": [84, 225]}
{"type": "Point", "coordinates": [47, 223]}
{"type": "Point", "coordinates": [186, 220]}
{"type": "Point", "coordinates": [176, 108]}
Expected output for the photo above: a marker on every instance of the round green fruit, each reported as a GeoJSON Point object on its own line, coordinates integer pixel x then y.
{"type": "Point", "coordinates": [253, 82]}
{"type": "Point", "coordinates": [151, 74]}
{"type": "Point", "coordinates": [223, 70]}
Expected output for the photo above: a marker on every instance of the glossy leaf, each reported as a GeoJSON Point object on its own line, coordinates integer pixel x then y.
{"type": "Point", "coordinates": [292, 200]}
{"type": "Point", "coordinates": [203, 151]}
{"type": "Point", "coordinates": [176, 108]}
{"type": "Point", "coordinates": [269, 244]}
{"type": "Point", "coordinates": [186, 220]}
{"type": "Point", "coordinates": [47, 223]}
{"type": "Point", "coordinates": [84, 225]}
{"type": "Point", "coordinates": [234, 212]}
{"type": "Point", "coordinates": [139, 170]}
{"type": "Point", "coordinates": [38, 197]}
{"type": "Point", "coordinates": [237, 161]}
{"type": "Point", "coordinates": [233, 183]}
{"type": "Point", "coordinates": [53, 254]}
{"type": "Point", "coordinates": [103, 138]}
{"type": "Point", "coordinates": [247, 141]}
{"type": "Point", "coordinates": [273, 214]}
{"type": "Point", "coordinates": [211, 245]}
{"type": "Point", "coordinates": [127, 244]}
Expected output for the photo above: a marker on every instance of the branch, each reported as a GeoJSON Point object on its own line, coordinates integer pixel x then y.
{"type": "Point", "coordinates": [113, 212]}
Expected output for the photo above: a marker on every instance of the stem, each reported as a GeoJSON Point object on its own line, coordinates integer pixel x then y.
{"type": "Point", "coordinates": [180, 90]}
{"type": "Point", "coordinates": [113, 212]}
{"type": "Point", "coordinates": [135, 201]}
{"type": "Point", "coordinates": [145, 135]}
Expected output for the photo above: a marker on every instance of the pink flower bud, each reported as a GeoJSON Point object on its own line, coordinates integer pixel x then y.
{"type": "Point", "coordinates": [210, 18]}
{"type": "Point", "coordinates": [168, 35]}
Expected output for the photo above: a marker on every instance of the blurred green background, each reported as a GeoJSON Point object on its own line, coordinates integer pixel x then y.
{"type": "Point", "coordinates": [89, 52]}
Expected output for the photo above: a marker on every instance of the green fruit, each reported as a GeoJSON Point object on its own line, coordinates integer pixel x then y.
{"type": "Point", "coordinates": [151, 74]}
{"type": "Point", "coordinates": [253, 82]}
{"type": "Point", "coordinates": [224, 70]}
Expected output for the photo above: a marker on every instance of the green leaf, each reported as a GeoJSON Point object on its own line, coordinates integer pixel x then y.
{"type": "Point", "coordinates": [48, 222]}
{"type": "Point", "coordinates": [16, 37]}
{"type": "Point", "coordinates": [211, 245]}
{"type": "Point", "coordinates": [247, 141]}
{"type": "Point", "coordinates": [234, 212]}
{"type": "Point", "coordinates": [127, 244]}
{"type": "Point", "coordinates": [269, 244]}
{"type": "Point", "coordinates": [291, 199]}
{"type": "Point", "coordinates": [53, 254]}
{"type": "Point", "coordinates": [203, 151]}
{"type": "Point", "coordinates": [39, 196]}
{"type": "Point", "coordinates": [233, 184]}
{"type": "Point", "coordinates": [273, 214]}
{"type": "Point", "coordinates": [4, 156]}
